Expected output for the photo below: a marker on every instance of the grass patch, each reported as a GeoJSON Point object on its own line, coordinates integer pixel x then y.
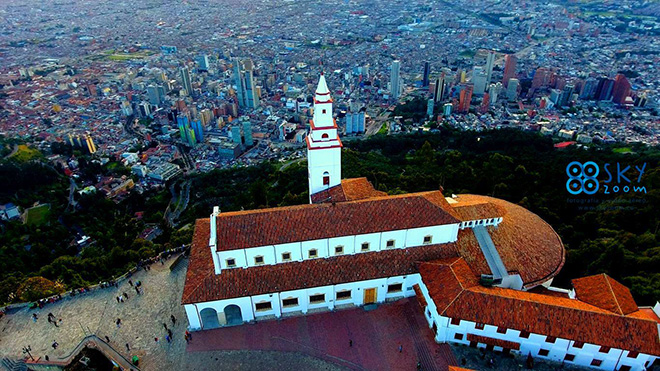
{"type": "Point", "coordinates": [383, 129]}
{"type": "Point", "coordinates": [25, 153]}
{"type": "Point", "coordinates": [37, 215]}
{"type": "Point", "coordinates": [622, 150]}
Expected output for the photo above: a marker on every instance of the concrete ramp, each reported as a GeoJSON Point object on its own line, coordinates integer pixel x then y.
{"type": "Point", "coordinates": [490, 252]}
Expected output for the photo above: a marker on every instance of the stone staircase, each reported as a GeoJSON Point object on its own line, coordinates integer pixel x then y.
{"type": "Point", "coordinates": [13, 365]}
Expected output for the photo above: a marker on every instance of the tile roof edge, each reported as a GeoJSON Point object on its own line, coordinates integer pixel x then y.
{"type": "Point", "coordinates": [616, 300]}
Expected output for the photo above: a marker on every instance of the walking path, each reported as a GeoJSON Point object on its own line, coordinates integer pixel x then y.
{"type": "Point", "coordinates": [142, 319]}
{"type": "Point", "coordinates": [376, 336]}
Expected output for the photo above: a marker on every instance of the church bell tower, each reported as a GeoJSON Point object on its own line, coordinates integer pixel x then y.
{"type": "Point", "coordinates": [323, 144]}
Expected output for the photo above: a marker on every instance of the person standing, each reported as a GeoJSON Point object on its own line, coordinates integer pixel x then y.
{"type": "Point", "coordinates": [35, 317]}
{"type": "Point", "coordinates": [118, 322]}
{"type": "Point", "coordinates": [107, 339]}
{"type": "Point", "coordinates": [173, 320]}
{"type": "Point", "coordinates": [128, 348]}
{"type": "Point", "coordinates": [189, 335]}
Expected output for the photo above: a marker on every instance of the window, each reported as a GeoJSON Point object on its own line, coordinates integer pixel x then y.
{"type": "Point", "coordinates": [324, 111]}
{"type": "Point", "coordinates": [473, 344]}
{"type": "Point", "coordinates": [313, 253]}
{"type": "Point", "coordinates": [342, 295]}
{"type": "Point", "coordinates": [550, 339]}
{"type": "Point", "coordinates": [625, 368]}
{"type": "Point", "coordinates": [428, 239]}
{"type": "Point", "coordinates": [390, 244]}
{"type": "Point", "coordinates": [324, 136]}
{"type": "Point", "coordinates": [365, 246]}
{"type": "Point", "coordinates": [456, 321]}
{"type": "Point", "coordinates": [569, 357]}
{"type": "Point", "coordinates": [501, 330]}
{"type": "Point", "coordinates": [286, 256]}
{"type": "Point", "coordinates": [524, 334]}
{"type": "Point", "coordinates": [578, 344]}
{"type": "Point", "coordinates": [339, 250]}
{"type": "Point", "coordinates": [263, 306]}
{"type": "Point", "coordinates": [479, 326]}
{"type": "Point", "coordinates": [544, 352]}
{"type": "Point", "coordinates": [326, 178]}
{"type": "Point", "coordinates": [458, 336]}
{"type": "Point", "coordinates": [633, 354]}
{"type": "Point", "coordinates": [317, 298]}
{"type": "Point", "coordinates": [596, 362]}
{"type": "Point", "coordinates": [231, 263]}
{"type": "Point", "coordinates": [291, 302]}
{"type": "Point", "coordinates": [258, 260]}
{"type": "Point", "coordinates": [604, 349]}
{"type": "Point", "coordinates": [394, 287]}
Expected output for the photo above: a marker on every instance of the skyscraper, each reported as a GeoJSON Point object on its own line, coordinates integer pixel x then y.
{"type": "Point", "coordinates": [440, 84]}
{"type": "Point", "coordinates": [427, 72]}
{"type": "Point", "coordinates": [198, 128]}
{"type": "Point", "coordinates": [203, 62]}
{"type": "Point", "coordinates": [247, 133]}
{"type": "Point", "coordinates": [479, 80]}
{"type": "Point", "coordinates": [395, 79]}
{"type": "Point", "coordinates": [490, 59]}
{"type": "Point", "coordinates": [245, 87]}
{"type": "Point", "coordinates": [154, 94]}
{"type": "Point", "coordinates": [604, 89]}
{"type": "Point", "coordinates": [621, 89]}
{"type": "Point", "coordinates": [429, 108]}
{"type": "Point", "coordinates": [512, 89]}
{"type": "Point", "coordinates": [465, 96]}
{"type": "Point", "coordinates": [185, 80]}
{"type": "Point", "coordinates": [510, 62]}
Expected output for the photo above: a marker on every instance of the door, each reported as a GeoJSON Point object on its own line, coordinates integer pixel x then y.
{"type": "Point", "coordinates": [209, 318]}
{"type": "Point", "coordinates": [233, 315]}
{"type": "Point", "coordinates": [369, 296]}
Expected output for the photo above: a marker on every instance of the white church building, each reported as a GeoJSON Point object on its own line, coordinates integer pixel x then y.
{"type": "Point", "coordinates": [480, 267]}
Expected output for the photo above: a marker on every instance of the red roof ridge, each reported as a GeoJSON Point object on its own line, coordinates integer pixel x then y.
{"type": "Point", "coordinates": [609, 286]}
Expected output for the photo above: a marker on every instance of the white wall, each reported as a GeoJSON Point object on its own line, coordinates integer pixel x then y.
{"type": "Point", "coordinates": [293, 248]}
{"type": "Point", "coordinates": [321, 247]}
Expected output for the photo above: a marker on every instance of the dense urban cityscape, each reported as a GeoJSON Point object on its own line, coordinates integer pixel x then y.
{"type": "Point", "coordinates": [123, 123]}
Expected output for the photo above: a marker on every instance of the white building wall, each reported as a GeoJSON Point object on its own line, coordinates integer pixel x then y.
{"type": "Point", "coordinates": [373, 239]}
{"type": "Point", "coordinates": [321, 247]}
{"type": "Point", "coordinates": [293, 248]}
{"type": "Point", "coordinates": [399, 238]}
{"type": "Point", "coordinates": [237, 255]}
{"type": "Point", "coordinates": [267, 252]}
{"type": "Point", "coordinates": [321, 161]}
{"type": "Point", "coordinates": [301, 295]}
{"type": "Point", "coordinates": [245, 303]}
{"type": "Point", "coordinates": [347, 242]}
{"type": "Point", "coordinates": [193, 317]}
{"type": "Point", "coordinates": [274, 300]}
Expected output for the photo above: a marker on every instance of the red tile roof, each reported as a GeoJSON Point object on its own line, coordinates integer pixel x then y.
{"type": "Point", "coordinates": [242, 229]}
{"type": "Point", "coordinates": [348, 190]}
{"type": "Point", "coordinates": [604, 292]}
{"type": "Point", "coordinates": [202, 284]}
{"type": "Point", "coordinates": [527, 244]}
{"type": "Point", "coordinates": [493, 341]}
{"type": "Point", "coordinates": [541, 314]}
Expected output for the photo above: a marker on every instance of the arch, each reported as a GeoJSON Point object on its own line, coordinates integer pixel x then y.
{"type": "Point", "coordinates": [233, 315]}
{"type": "Point", "coordinates": [325, 136]}
{"type": "Point", "coordinates": [209, 318]}
{"type": "Point", "coordinates": [326, 178]}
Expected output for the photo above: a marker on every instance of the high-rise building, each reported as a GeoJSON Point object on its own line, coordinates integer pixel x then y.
{"type": "Point", "coordinates": [490, 60]}
{"type": "Point", "coordinates": [154, 94]}
{"type": "Point", "coordinates": [446, 109]}
{"type": "Point", "coordinates": [479, 80]}
{"type": "Point", "coordinates": [203, 62]}
{"type": "Point", "coordinates": [485, 103]}
{"type": "Point", "coordinates": [247, 133]}
{"type": "Point", "coordinates": [427, 72]}
{"type": "Point", "coordinates": [494, 91]}
{"type": "Point", "coordinates": [245, 88]}
{"type": "Point", "coordinates": [186, 131]}
{"type": "Point", "coordinates": [236, 134]}
{"type": "Point", "coordinates": [185, 80]}
{"type": "Point", "coordinates": [566, 95]}
{"type": "Point", "coordinates": [89, 144]}
{"type": "Point", "coordinates": [510, 62]}
{"type": "Point", "coordinates": [604, 89]}
{"type": "Point", "coordinates": [144, 109]}
{"type": "Point", "coordinates": [589, 87]}
{"type": "Point", "coordinates": [395, 79]}
{"type": "Point", "coordinates": [512, 89]}
{"type": "Point", "coordinates": [465, 96]}
{"type": "Point", "coordinates": [440, 84]}
{"type": "Point", "coordinates": [621, 89]}
{"type": "Point", "coordinates": [198, 128]}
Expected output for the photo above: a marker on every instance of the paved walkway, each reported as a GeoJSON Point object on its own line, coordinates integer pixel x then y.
{"type": "Point", "coordinates": [376, 337]}
{"type": "Point", "coordinates": [142, 319]}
